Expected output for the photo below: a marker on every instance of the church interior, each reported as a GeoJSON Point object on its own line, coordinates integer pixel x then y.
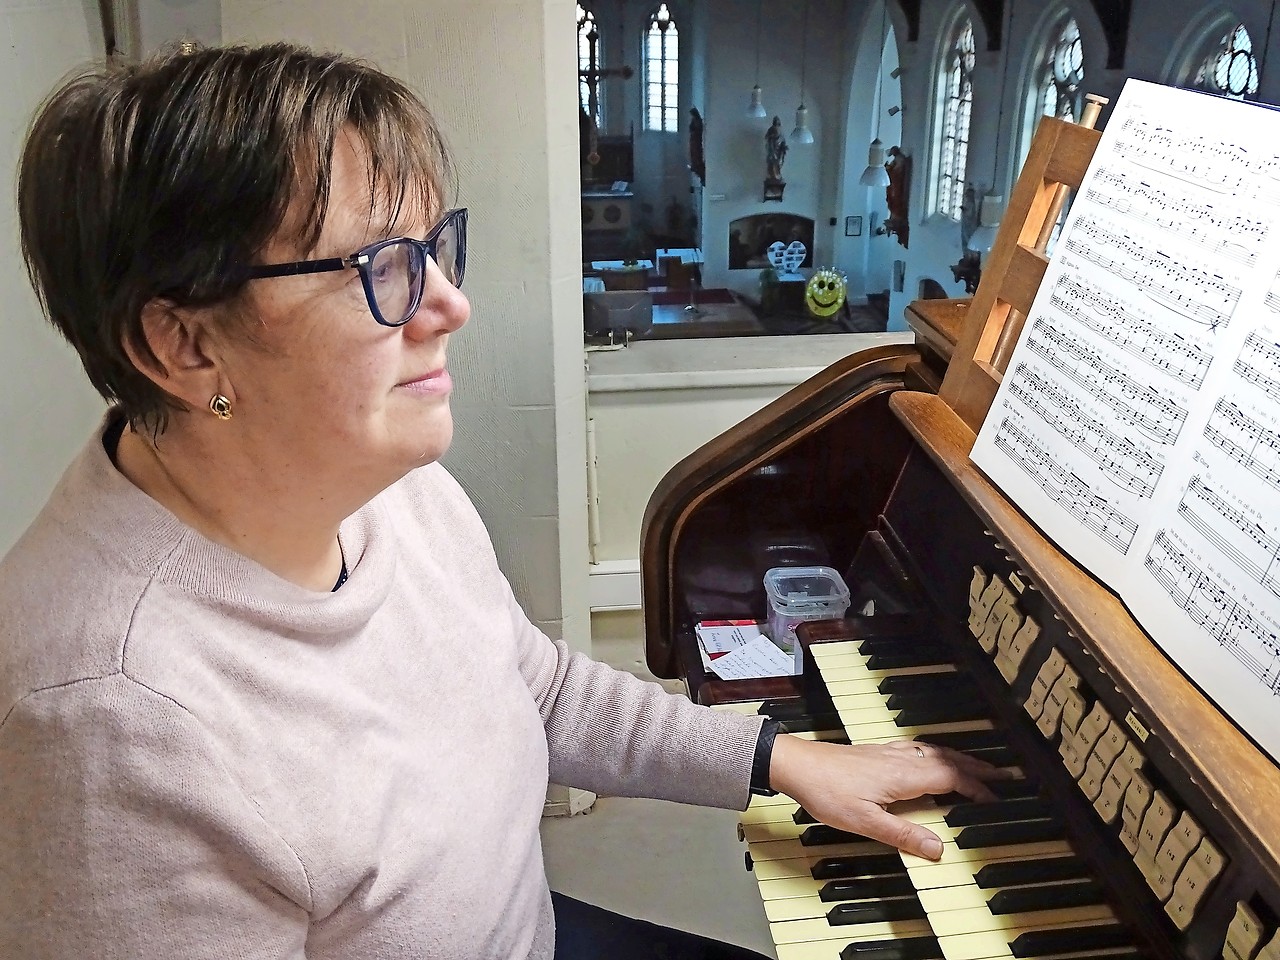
{"type": "Point", "coordinates": [944, 95]}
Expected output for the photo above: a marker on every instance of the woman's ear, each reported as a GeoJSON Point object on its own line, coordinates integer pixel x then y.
{"type": "Point", "coordinates": [181, 361]}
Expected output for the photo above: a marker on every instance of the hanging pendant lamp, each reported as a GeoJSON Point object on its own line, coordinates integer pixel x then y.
{"type": "Point", "coordinates": [755, 108]}
{"type": "Point", "coordinates": [801, 133]}
{"type": "Point", "coordinates": [876, 175]}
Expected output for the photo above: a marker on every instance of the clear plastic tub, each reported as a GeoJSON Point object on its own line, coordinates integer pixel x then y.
{"type": "Point", "coordinates": [797, 594]}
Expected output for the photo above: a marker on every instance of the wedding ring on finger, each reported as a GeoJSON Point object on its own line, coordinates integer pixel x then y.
{"type": "Point", "coordinates": [920, 751]}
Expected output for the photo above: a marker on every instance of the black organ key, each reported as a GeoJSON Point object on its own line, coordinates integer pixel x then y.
{"type": "Point", "coordinates": [927, 698]}
{"type": "Point", "coordinates": [821, 835]}
{"type": "Point", "coordinates": [884, 911]}
{"type": "Point", "coordinates": [868, 888]}
{"type": "Point", "coordinates": [1001, 811]}
{"type": "Point", "coordinates": [910, 948]}
{"type": "Point", "coordinates": [1004, 789]}
{"type": "Point", "coordinates": [877, 645]}
{"type": "Point", "coordinates": [803, 816]}
{"type": "Point", "coordinates": [938, 683]}
{"type": "Point", "coordinates": [921, 657]}
{"type": "Point", "coordinates": [941, 712]}
{"type": "Point", "coordinates": [1013, 873]}
{"type": "Point", "coordinates": [1041, 943]}
{"type": "Point", "coordinates": [1003, 834]}
{"type": "Point", "coordinates": [1052, 896]}
{"type": "Point", "coordinates": [967, 740]}
{"type": "Point", "coordinates": [867, 865]}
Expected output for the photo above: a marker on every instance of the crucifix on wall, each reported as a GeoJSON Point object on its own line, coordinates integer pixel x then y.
{"type": "Point", "coordinates": [593, 76]}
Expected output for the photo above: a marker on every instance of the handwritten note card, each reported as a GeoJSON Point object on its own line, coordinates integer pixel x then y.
{"type": "Point", "coordinates": [1138, 423]}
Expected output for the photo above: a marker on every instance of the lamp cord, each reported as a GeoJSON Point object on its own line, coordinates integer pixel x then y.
{"type": "Point", "coordinates": [804, 47]}
{"type": "Point", "coordinates": [759, 33]}
{"type": "Point", "coordinates": [1004, 84]}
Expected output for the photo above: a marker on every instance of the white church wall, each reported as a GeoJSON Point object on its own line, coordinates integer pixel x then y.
{"type": "Point", "coordinates": [500, 77]}
{"type": "Point", "coordinates": [48, 406]}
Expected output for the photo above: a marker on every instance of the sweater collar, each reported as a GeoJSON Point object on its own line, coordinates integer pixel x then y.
{"type": "Point", "coordinates": [146, 538]}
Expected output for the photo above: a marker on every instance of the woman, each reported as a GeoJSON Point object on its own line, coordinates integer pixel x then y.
{"type": "Point", "coordinates": [264, 690]}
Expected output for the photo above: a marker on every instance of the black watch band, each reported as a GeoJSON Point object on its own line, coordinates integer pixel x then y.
{"type": "Point", "coordinates": [760, 762]}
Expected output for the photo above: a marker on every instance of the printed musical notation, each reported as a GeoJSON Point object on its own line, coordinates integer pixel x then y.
{"type": "Point", "coordinates": [1202, 160]}
{"type": "Point", "coordinates": [1137, 420]}
{"type": "Point", "coordinates": [1259, 364]}
{"type": "Point", "coordinates": [1256, 550]}
{"type": "Point", "coordinates": [1065, 488]}
{"type": "Point", "coordinates": [1124, 462]}
{"type": "Point", "coordinates": [1245, 440]}
{"type": "Point", "coordinates": [1119, 323]}
{"type": "Point", "coordinates": [1201, 295]}
{"type": "Point", "coordinates": [1232, 234]}
{"type": "Point", "coordinates": [1206, 601]}
{"type": "Point", "coordinates": [1139, 404]}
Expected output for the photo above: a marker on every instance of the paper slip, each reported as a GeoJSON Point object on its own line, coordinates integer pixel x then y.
{"type": "Point", "coordinates": [722, 636]}
{"type": "Point", "coordinates": [759, 657]}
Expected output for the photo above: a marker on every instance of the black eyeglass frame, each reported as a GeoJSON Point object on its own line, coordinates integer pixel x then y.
{"type": "Point", "coordinates": [362, 258]}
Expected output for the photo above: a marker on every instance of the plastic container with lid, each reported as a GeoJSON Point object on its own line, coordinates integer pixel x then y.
{"type": "Point", "coordinates": [797, 594]}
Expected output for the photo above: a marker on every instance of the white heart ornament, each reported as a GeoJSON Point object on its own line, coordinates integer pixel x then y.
{"type": "Point", "coordinates": [793, 256]}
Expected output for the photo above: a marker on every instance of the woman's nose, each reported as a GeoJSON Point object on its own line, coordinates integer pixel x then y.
{"type": "Point", "coordinates": [443, 308]}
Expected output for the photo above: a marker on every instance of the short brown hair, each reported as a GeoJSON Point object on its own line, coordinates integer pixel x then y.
{"type": "Point", "coordinates": [166, 178]}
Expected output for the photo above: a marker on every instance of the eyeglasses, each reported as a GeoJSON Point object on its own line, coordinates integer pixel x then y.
{"type": "Point", "coordinates": [393, 272]}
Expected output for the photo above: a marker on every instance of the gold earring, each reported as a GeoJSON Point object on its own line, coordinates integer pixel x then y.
{"type": "Point", "coordinates": [220, 406]}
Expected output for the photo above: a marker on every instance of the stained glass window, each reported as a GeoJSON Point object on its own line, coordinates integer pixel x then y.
{"type": "Point", "coordinates": [662, 68]}
{"type": "Point", "coordinates": [587, 31]}
{"type": "Point", "coordinates": [1061, 83]}
{"type": "Point", "coordinates": [1230, 67]}
{"type": "Point", "coordinates": [956, 91]}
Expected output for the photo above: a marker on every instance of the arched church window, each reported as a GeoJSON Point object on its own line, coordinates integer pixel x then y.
{"type": "Point", "coordinates": [1229, 68]}
{"type": "Point", "coordinates": [589, 40]}
{"type": "Point", "coordinates": [661, 72]}
{"type": "Point", "coordinates": [1059, 90]}
{"type": "Point", "coordinates": [955, 95]}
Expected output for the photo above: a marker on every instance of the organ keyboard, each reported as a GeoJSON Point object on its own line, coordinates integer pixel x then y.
{"type": "Point", "coordinates": [1138, 822]}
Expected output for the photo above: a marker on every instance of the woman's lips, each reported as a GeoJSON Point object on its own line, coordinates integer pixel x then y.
{"type": "Point", "coordinates": [434, 383]}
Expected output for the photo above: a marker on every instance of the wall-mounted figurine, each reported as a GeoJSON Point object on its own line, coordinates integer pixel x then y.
{"type": "Point", "coordinates": [775, 153]}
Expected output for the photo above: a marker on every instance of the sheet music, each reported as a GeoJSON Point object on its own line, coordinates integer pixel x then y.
{"type": "Point", "coordinates": [1138, 423]}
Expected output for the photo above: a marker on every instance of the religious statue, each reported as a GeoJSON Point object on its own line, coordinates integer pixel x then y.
{"type": "Point", "coordinates": [697, 159]}
{"type": "Point", "coordinates": [898, 196]}
{"type": "Point", "coordinates": [775, 152]}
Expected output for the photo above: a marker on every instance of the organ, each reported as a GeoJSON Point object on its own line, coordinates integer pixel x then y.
{"type": "Point", "coordinates": [1142, 823]}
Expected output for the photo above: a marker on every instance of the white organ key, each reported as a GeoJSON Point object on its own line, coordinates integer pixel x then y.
{"type": "Point", "coordinates": [950, 923]}
{"type": "Point", "coordinates": [800, 931]}
{"type": "Point", "coordinates": [977, 856]}
{"type": "Point", "coordinates": [793, 849]}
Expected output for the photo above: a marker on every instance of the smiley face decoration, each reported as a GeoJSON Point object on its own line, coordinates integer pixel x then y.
{"type": "Point", "coordinates": [825, 292]}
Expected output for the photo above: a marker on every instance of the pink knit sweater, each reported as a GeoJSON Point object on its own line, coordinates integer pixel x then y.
{"type": "Point", "coordinates": [201, 760]}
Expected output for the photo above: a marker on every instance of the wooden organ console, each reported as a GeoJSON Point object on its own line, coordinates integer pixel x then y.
{"type": "Point", "coordinates": [1142, 823]}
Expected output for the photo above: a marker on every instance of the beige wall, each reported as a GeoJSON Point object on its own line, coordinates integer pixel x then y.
{"type": "Point", "coordinates": [46, 405]}
{"type": "Point", "coordinates": [499, 77]}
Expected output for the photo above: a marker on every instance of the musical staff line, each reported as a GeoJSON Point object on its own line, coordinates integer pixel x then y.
{"type": "Point", "coordinates": [1211, 164]}
{"type": "Point", "coordinates": [1259, 364]}
{"type": "Point", "coordinates": [1232, 235]}
{"type": "Point", "coordinates": [1110, 385]}
{"type": "Point", "coordinates": [1123, 462]}
{"type": "Point", "coordinates": [1253, 642]}
{"type": "Point", "coordinates": [1265, 567]}
{"type": "Point", "coordinates": [1245, 441]}
{"type": "Point", "coordinates": [1065, 488]}
{"type": "Point", "coordinates": [1202, 297]}
{"type": "Point", "coordinates": [1117, 322]}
